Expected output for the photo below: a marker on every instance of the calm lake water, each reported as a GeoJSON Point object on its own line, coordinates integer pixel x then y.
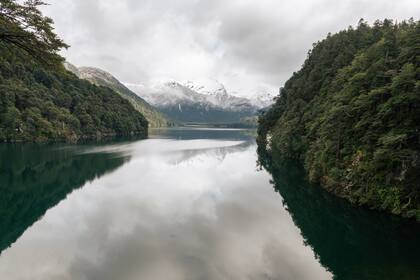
{"type": "Point", "coordinates": [185, 204]}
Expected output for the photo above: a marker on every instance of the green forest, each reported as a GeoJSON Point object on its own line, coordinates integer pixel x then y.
{"type": "Point", "coordinates": [41, 101]}
{"type": "Point", "coordinates": [351, 116]}
{"type": "Point", "coordinates": [102, 78]}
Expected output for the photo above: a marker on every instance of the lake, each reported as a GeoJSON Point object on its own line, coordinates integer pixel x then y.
{"type": "Point", "coordinates": [185, 204]}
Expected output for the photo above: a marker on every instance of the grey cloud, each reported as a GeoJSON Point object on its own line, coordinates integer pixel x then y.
{"type": "Point", "coordinates": [241, 43]}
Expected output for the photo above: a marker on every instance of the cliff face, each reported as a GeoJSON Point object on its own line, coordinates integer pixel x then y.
{"type": "Point", "coordinates": [351, 115]}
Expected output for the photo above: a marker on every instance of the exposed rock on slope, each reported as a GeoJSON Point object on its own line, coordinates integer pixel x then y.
{"type": "Point", "coordinates": [103, 78]}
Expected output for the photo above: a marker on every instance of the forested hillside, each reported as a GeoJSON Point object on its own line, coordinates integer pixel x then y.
{"type": "Point", "coordinates": [102, 78]}
{"type": "Point", "coordinates": [39, 99]}
{"type": "Point", "coordinates": [351, 115]}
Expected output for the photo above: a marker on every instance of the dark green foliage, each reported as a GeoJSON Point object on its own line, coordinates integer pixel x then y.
{"type": "Point", "coordinates": [351, 242]}
{"type": "Point", "coordinates": [39, 99]}
{"type": "Point", "coordinates": [202, 113]}
{"type": "Point", "coordinates": [38, 104]}
{"type": "Point", "coordinates": [352, 116]}
{"type": "Point", "coordinates": [23, 26]}
{"type": "Point", "coordinates": [102, 78]}
{"type": "Point", "coordinates": [36, 177]}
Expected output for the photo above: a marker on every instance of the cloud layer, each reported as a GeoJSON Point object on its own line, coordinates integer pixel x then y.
{"type": "Point", "coordinates": [245, 44]}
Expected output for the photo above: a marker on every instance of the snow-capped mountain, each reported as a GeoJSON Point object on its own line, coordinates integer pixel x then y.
{"type": "Point", "coordinates": [217, 95]}
{"type": "Point", "coordinates": [168, 94]}
{"type": "Point", "coordinates": [262, 99]}
{"type": "Point", "coordinates": [196, 102]}
{"type": "Point", "coordinates": [192, 102]}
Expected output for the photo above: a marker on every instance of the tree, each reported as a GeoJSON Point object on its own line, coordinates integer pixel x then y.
{"type": "Point", "coordinates": [40, 100]}
{"type": "Point", "coordinates": [351, 116]}
{"type": "Point", "coordinates": [24, 26]}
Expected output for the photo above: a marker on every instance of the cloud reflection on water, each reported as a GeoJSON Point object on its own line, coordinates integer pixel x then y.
{"type": "Point", "coordinates": [190, 209]}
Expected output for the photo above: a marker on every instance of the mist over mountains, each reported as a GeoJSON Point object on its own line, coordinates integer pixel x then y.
{"type": "Point", "coordinates": [205, 101]}
{"type": "Point", "coordinates": [169, 102]}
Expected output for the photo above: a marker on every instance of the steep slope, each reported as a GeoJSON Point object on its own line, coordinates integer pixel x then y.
{"type": "Point", "coordinates": [183, 103]}
{"type": "Point", "coordinates": [39, 99]}
{"type": "Point", "coordinates": [40, 103]}
{"type": "Point", "coordinates": [352, 116]}
{"type": "Point", "coordinates": [103, 78]}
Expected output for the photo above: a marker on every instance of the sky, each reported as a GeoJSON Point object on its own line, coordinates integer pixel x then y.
{"type": "Point", "coordinates": [248, 45]}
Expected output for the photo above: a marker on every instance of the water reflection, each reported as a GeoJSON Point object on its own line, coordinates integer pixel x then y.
{"type": "Point", "coordinates": [34, 178]}
{"type": "Point", "coordinates": [195, 208]}
{"type": "Point", "coordinates": [352, 243]}
{"type": "Point", "coordinates": [203, 133]}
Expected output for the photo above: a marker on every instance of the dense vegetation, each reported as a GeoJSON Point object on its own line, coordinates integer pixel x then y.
{"type": "Point", "coordinates": [351, 115]}
{"type": "Point", "coordinates": [205, 114]}
{"type": "Point", "coordinates": [351, 242]}
{"type": "Point", "coordinates": [23, 26]}
{"type": "Point", "coordinates": [102, 78]}
{"type": "Point", "coordinates": [39, 99]}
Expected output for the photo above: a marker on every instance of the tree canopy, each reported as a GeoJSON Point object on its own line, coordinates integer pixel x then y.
{"type": "Point", "coordinates": [39, 99]}
{"type": "Point", "coordinates": [24, 26]}
{"type": "Point", "coordinates": [352, 116]}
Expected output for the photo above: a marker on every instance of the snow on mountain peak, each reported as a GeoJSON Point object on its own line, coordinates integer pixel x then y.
{"type": "Point", "coordinates": [208, 92]}
{"type": "Point", "coordinates": [262, 99]}
{"type": "Point", "coordinates": [207, 87]}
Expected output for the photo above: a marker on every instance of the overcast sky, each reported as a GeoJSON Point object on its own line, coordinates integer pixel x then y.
{"type": "Point", "coordinates": [245, 44]}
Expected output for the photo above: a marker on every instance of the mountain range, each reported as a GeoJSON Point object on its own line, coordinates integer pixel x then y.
{"type": "Point", "coordinates": [170, 102]}
{"type": "Point", "coordinates": [200, 102]}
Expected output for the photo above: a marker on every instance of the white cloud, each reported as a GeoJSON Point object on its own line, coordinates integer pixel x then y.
{"type": "Point", "coordinates": [245, 44]}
